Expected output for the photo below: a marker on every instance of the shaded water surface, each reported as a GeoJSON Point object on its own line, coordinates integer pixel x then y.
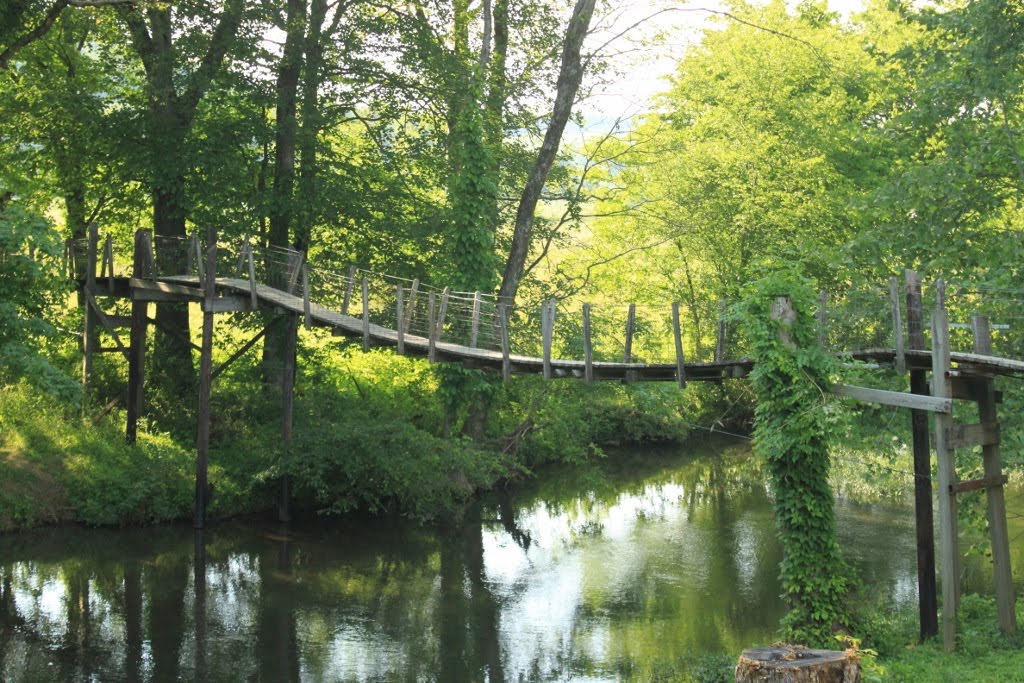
{"type": "Point", "coordinates": [631, 571]}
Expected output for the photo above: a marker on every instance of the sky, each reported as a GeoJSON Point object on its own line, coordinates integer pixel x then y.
{"type": "Point", "coordinates": [646, 39]}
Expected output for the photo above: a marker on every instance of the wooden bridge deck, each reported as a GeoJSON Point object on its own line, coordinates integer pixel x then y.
{"type": "Point", "coordinates": [379, 336]}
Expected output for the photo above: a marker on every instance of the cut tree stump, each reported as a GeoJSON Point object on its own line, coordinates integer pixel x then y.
{"type": "Point", "coordinates": [796, 664]}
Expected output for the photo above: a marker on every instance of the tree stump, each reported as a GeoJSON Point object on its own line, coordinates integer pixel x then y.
{"type": "Point", "coordinates": [795, 664]}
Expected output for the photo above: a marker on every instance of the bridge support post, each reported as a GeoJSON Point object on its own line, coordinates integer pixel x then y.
{"type": "Point", "coordinates": [89, 339]}
{"type": "Point", "coordinates": [137, 343]}
{"type": "Point", "coordinates": [948, 528]}
{"type": "Point", "coordinates": [205, 380]}
{"type": "Point", "coordinates": [927, 600]}
{"type": "Point", "coordinates": [287, 403]}
{"type": "Point", "coordinates": [996, 499]}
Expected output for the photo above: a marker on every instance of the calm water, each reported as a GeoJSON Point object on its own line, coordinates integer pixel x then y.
{"type": "Point", "coordinates": [626, 572]}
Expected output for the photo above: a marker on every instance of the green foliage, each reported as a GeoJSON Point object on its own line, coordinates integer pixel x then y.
{"type": "Point", "coordinates": [57, 467]}
{"type": "Point", "coordinates": [29, 285]}
{"type": "Point", "coordinates": [792, 424]}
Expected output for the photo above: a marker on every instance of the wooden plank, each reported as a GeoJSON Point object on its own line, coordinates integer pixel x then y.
{"type": "Point", "coordinates": [894, 398]}
{"type": "Point", "coordinates": [506, 365]}
{"type": "Point", "coordinates": [948, 530]}
{"type": "Point", "coordinates": [897, 325]}
{"type": "Point", "coordinates": [996, 497]}
{"type": "Point", "coordinates": [677, 331]}
{"type": "Point", "coordinates": [588, 352]}
{"type": "Point", "coordinates": [474, 329]}
{"type": "Point", "coordinates": [307, 313]}
{"type": "Point", "coordinates": [400, 317]}
{"type": "Point", "coordinates": [978, 484]}
{"type": "Point", "coordinates": [144, 288]}
{"type": "Point", "coordinates": [969, 436]}
{"type": "Point", "coordinates": [366, 314]}
{"type": "Point", "coordinates": [227, 304]}
{"type": "Point", "coordinates": [349, 284]}
{"type": "Point", "coordinates": [431, 327]}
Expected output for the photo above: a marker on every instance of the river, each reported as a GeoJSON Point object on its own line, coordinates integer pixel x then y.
{"type": "Point", "coordinates": [648, 567]}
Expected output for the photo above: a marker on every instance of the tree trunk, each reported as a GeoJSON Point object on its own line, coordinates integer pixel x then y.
{"type": "Point", "coordinates": [795, 664]}
{"type": "Point", "coordinates": [569, 77]}
{"type": "Point", "coordinates": [289, 70]}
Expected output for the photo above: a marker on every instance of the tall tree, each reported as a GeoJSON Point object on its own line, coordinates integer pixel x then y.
{"type": "Point", "coordinates": [177, 79]}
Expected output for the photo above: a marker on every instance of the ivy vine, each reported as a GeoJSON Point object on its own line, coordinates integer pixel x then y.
{"type": "Point", "coordinates": [792, 424]}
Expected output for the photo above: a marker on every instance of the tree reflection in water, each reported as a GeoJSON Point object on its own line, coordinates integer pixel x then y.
{"type": "Point", "coordinates": [611, 573]}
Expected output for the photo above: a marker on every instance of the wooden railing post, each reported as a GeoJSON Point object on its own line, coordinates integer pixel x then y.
{"type": "Point", "coordinates": [349, 285]}
{"type": "Point", "coordinates": [678, 335]}
{"type": "Point", "coordinates": [897, 325]}
{"type": "Point", "coordinates": [366, 314]}
{"type": "Point", "coordinates": [547, 327]}
{"type": "Point", "coordinates": [431, 327]}
{"type": "Point", "coordinates": [588, 355]}
{"type": "Point", "coordinates": [627, 356]}
{"type": "Point", "coordinates": [927, 594]}
{"type": "Point", "coordinates": [474, 329]}
{"type": "Point", "coordinates": [720, 338]}
{"type": "Point", "coordinates": [400, 317]}
{"type": "Point", "coordinates": [506, 364]}
{"type": "Point", "coordinates": [306, 305]}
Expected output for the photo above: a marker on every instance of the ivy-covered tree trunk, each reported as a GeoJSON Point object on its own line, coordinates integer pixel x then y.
{"type": "Point", "coordinates": [790, 377]}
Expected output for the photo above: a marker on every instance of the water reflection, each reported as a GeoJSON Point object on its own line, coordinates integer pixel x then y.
{"type": "Point", "coordinates": [614, 573]}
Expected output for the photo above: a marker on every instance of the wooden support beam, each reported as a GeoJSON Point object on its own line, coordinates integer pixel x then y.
{"type": "Point", "coordinates": [205, 383]}
{"type": "Point", "coordinates": [969, 436]}
{"type": "Point", "coordinates": [678, 333]}
{"type": "Point", "coordinates": [111, 330]}
{"type": "Point", "coordinates": [474, 328]}
{"type": "Point", "coordinates": [978, 484]}
{"type": "Point", "coordinates": [506, 365]}
{"type": "Point", "coordinates": [142, 289]}
{"type": "Point", "coordinates": [948, 529]}
{"type": "Point", "coordinates": [588, 353]}
{"type": "Point", "coordinates": [894, 398]}
{"type": "Point", "coordinates": [400, 318]}
{"type": "Point", "coordinates": [241, 351]}
{"type": "Point", "coordinates": [994, 478]}
{"type": "Point", "coordinates": [928, 613]}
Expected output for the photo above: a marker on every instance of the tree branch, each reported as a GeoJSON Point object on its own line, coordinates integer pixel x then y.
{"type": "Point", "coordinates": [36, 33]}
